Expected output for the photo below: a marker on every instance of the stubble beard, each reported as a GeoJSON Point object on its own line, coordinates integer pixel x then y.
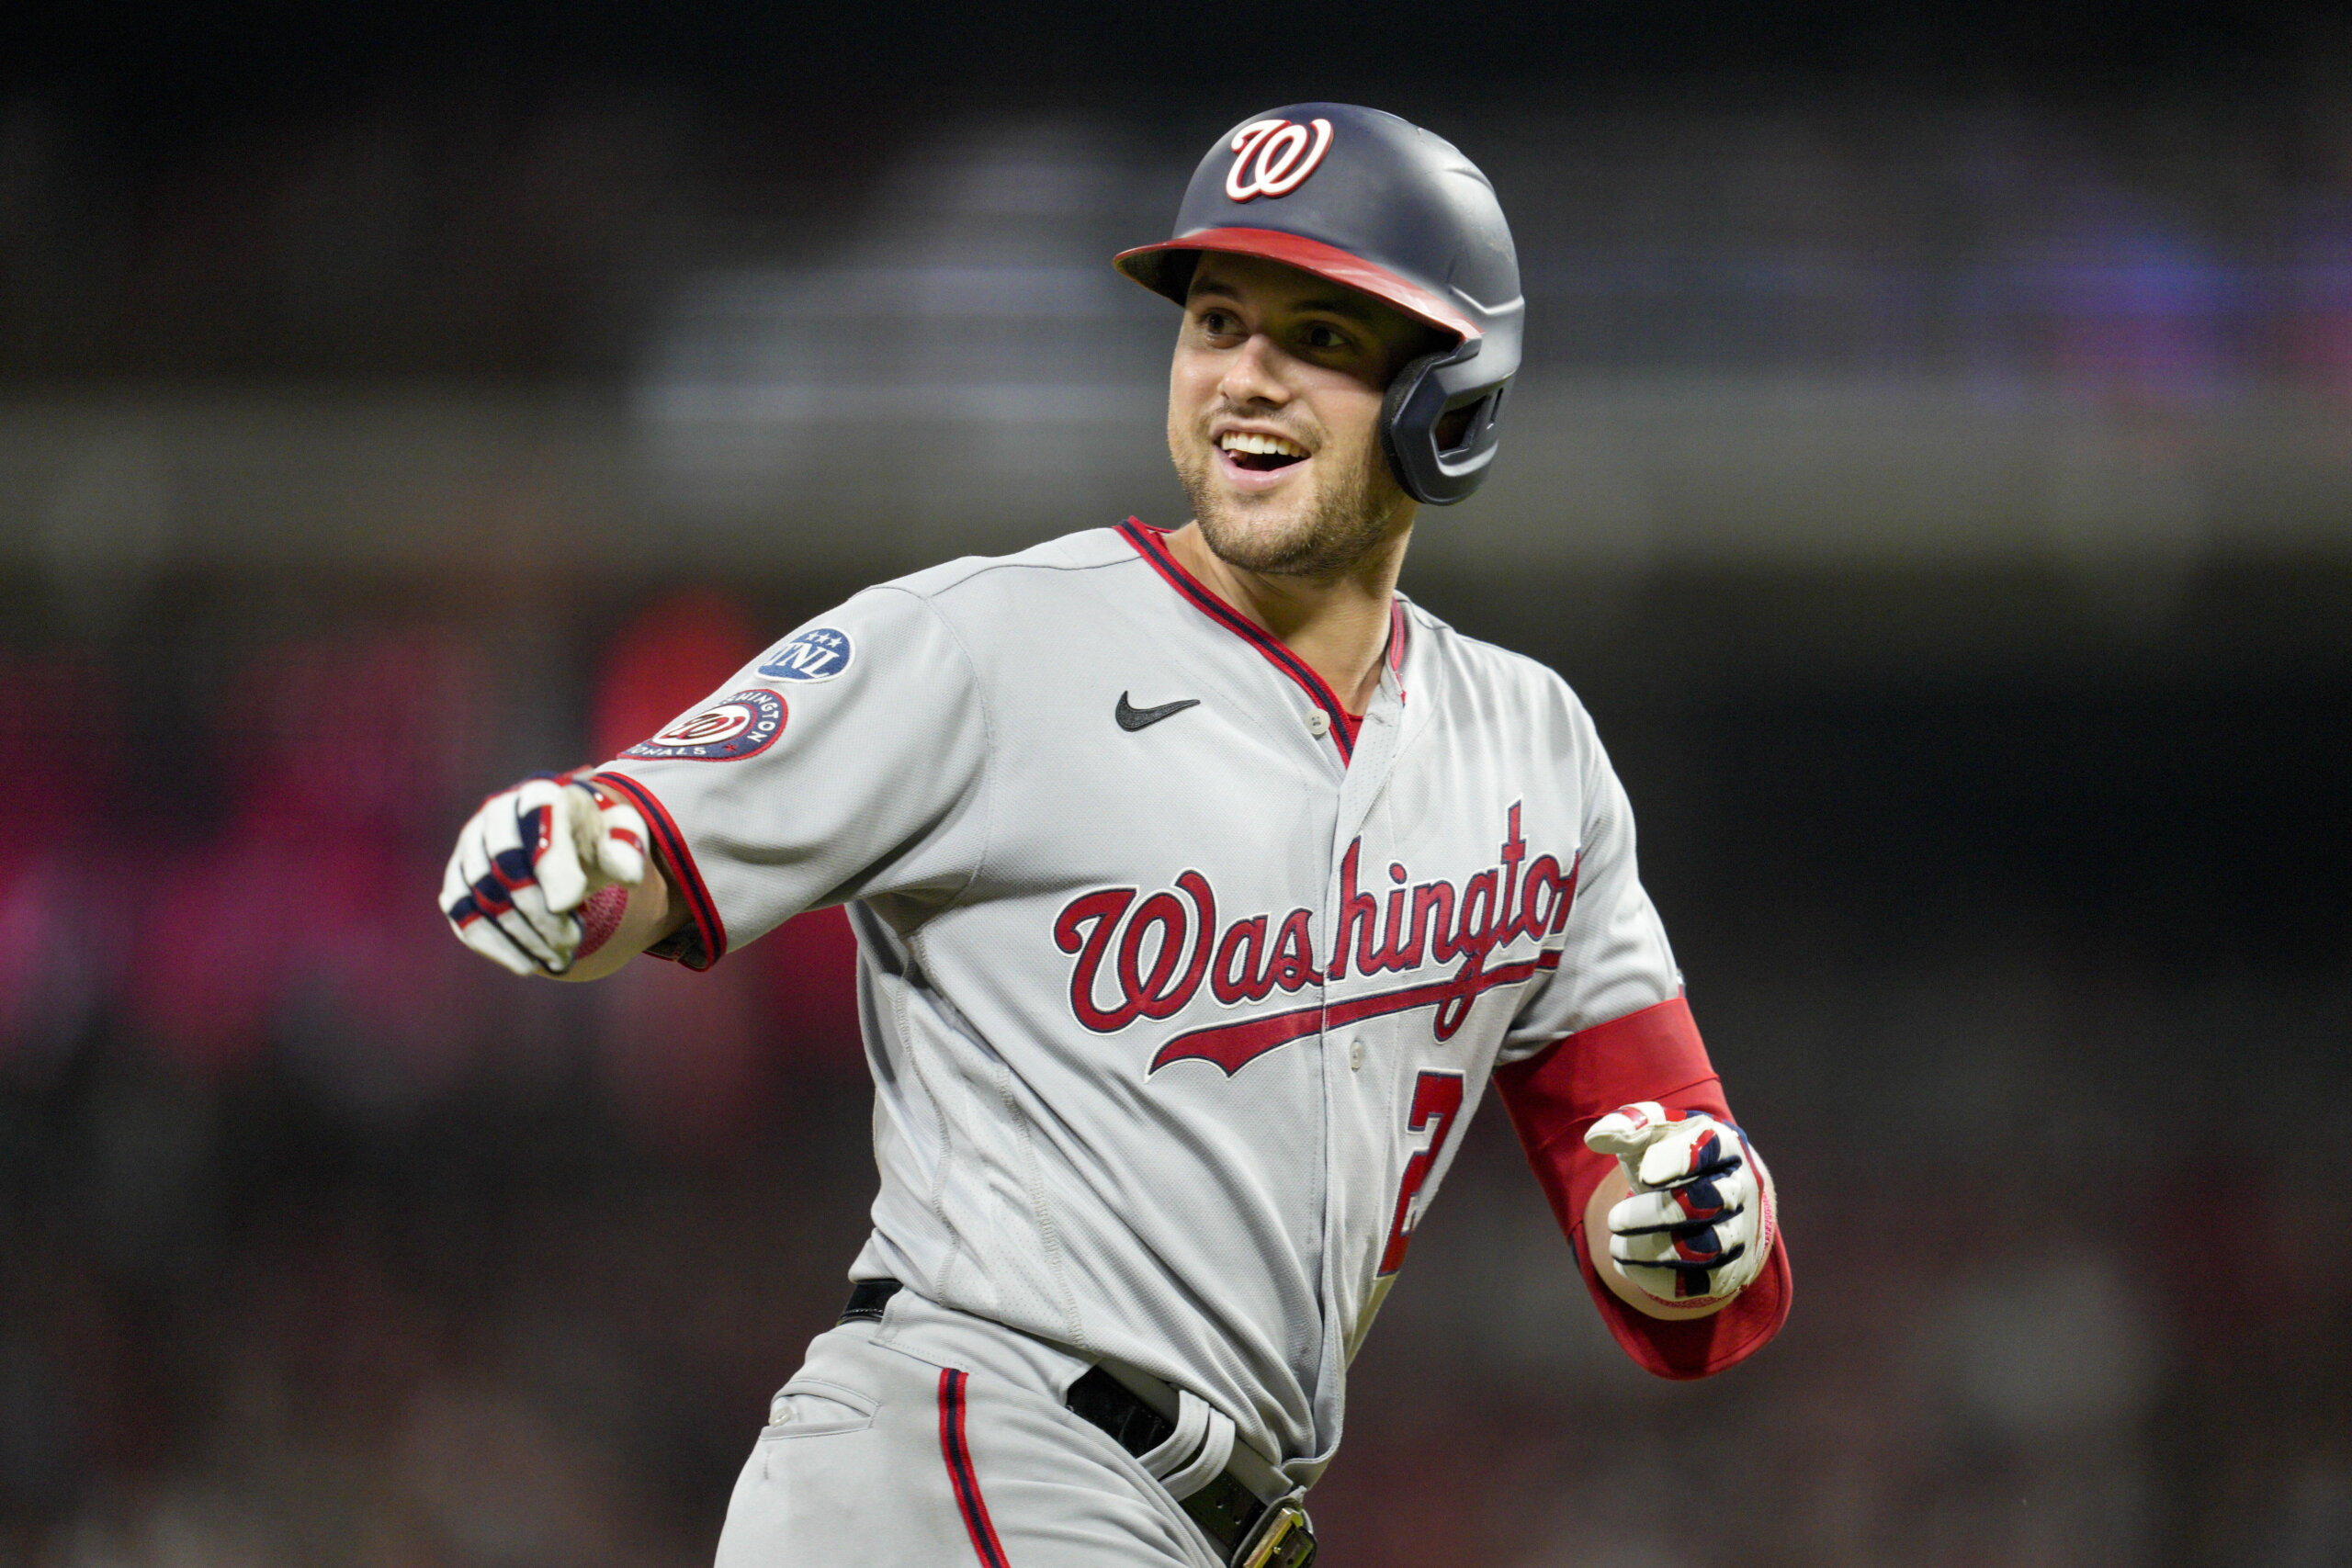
{"type": "Point", "coordinates": [1354, 510]}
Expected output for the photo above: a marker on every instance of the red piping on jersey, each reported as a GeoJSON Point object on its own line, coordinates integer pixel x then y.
{"type": "Point", "coordinates": [1397, 645]}
{"type": "Point", "coordinates": [681, 861]}
{"type": "Point", "coordinates": [1146, 539]}
{"type": "Point", "coordinates": [960, 1473]}
{"type": "Point", "coordinates": [1233, 1046]}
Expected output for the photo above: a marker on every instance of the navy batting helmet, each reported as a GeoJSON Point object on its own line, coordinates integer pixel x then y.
{"type": "Point", "coordinates": [1380, 205]}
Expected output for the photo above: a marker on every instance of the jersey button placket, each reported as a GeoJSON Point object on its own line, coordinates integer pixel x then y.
{"type": "Point", "coordinates": [1318, 723]}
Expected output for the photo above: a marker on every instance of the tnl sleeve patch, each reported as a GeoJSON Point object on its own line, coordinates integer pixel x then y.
{"type": "Point", "coordinates": [819, 654]}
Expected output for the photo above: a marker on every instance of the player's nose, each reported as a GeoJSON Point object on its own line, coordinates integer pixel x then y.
{"type": "Point", "coordinates": [1252, 375]}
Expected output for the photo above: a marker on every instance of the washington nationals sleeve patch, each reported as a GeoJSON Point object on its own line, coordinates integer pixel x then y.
{"type": "Point", "coordinates": [741, 725]}
{"type": "Point", "coordinates": [816, 655]}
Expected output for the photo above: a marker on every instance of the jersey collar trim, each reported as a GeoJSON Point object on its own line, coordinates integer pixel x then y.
{"type": "Point", "coordinates": [1148, 543]}
{"type": "Point", "coordinates": [1396, 646]}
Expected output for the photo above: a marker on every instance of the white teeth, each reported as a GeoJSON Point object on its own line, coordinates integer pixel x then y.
{"type": "Point", "coordinates": [1262, 445]}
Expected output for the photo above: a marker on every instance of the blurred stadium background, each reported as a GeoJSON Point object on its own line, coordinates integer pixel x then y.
{"type": "Point", "coordinates": [1934, 467]}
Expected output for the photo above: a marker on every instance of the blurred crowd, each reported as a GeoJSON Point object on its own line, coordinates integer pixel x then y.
{"type": "Point", "coordinates": [218, 871]}
{"type": "Point", "coordinates": [273, 1142]}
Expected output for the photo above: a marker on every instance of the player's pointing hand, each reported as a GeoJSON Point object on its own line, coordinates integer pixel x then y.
{"type": "Point", "coordinates": [1699, 1223]}
{"type": "Point", "coordinates": [528, 860]}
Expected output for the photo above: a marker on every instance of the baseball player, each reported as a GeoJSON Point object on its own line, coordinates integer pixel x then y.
{"type": "Point", "coordinates": [1203, 883]}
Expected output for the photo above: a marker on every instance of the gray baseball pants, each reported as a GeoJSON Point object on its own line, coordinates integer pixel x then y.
{"type": "Point", "coordinates": [934, 1438]}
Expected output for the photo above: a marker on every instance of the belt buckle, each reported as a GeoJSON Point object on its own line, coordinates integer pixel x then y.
{"type": "Point", "coordinates": [1283, 1539]}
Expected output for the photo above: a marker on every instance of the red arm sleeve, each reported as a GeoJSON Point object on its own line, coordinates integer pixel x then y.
{"type": "Point", "coordinates": [1556, 1095]}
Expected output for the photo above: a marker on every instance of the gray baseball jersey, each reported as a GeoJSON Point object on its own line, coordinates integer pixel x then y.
{"type": "Point", "coordinates": [1178, 985]}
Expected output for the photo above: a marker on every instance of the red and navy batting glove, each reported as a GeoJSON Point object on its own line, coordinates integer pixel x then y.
{"type": "Point", "coordinates": [1699, 1223]}
{"type": "Point", "coordinates": [527, 859]}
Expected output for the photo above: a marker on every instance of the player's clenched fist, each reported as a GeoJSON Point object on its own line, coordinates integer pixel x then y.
{"type": "Point", "coordinates": [1699, 1225]}
{"type": "Point", "coordinates": [528, 860]}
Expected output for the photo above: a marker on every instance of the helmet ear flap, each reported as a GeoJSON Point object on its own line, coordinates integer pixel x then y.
{"type": "Point", "coordinates": [1419, 399]}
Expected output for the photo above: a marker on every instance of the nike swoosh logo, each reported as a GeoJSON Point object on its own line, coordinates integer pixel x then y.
{"type": "Point", "coordinates": [1142, 718]}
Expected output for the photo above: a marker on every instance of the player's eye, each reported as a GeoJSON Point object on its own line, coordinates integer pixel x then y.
{"type": "Point", "coordinates": [1324, 338]}
{"type": "Point", "coordinates": [1218, 323]}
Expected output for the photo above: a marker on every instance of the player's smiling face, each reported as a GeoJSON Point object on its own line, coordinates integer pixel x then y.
{"type": "Point", "coordinates": [1274, 415]}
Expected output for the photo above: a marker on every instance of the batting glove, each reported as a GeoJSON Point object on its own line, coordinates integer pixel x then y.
{"type": "Point", "coordinates": [1699, 1223]}
{"type": "Point", "coordinates": [527, 861]}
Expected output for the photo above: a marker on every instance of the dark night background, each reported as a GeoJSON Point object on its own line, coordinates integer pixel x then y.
{"type": "Point", "coordinates": [1933, 468]}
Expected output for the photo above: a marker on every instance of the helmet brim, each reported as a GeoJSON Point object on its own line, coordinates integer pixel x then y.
{"type": "Point", "coordinates": [1165, 269]}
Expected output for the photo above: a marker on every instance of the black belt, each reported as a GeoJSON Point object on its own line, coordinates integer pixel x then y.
{"type": "Point", "coordinates": [1227, 1511]}
{"type": "Point", "coordinates": [867, 1298]}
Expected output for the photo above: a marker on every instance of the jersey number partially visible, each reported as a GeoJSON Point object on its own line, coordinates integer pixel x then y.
{"type": "Point", "coordinates": [1437, 1097]}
